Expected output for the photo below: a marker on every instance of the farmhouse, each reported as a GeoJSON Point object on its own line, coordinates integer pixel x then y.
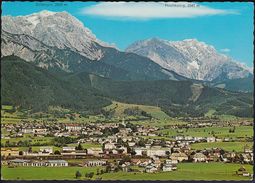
{"type": "Point", "coordinates": [242, 171]}
{"type": "Point", "coordinates": [210, 139]}
{"type": "Point", "coordinates": [156, 152]}
{"type": "Point", "coordinates": [96, 151]}
{"type": "Point", "coordinates": [199, 157]}
{"type": "Point", "coordinates": [68, 149]}
{"type": "Point", "coordinates": [73, 127]}
{"type": "Point", "coordinates": [140, 151]}
{"type": "Point", "coordinates": [27, 130]}
{"type": "Point", "coordinates": [179, 138]}
{"type": "Point", "coordinates": [150, 168]}
{"type": "Point", "coordinates": [179, 156]}
{"type": "Point", "coordinates": [9, 152]}
{"type": "Point", "coordinates": [125, 168]}
{"type": "Point", "coordinates": [167, 167]}
{"type": "Point", "coordinates": [246, 157]}
{"type": "Point", "coordinates": [48, 150]}
{"type": "Point", "coordinates": [136, 161]}
{"type": "Point", "coordinates": [198, 139]}
{"type": "Point", "coordinates": [109, 145]}
{"type": "Point", "coordinates": [40, 131]}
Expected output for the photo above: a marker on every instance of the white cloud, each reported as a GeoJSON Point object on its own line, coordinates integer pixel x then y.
{"type": "Point", "coordinates": [225, 50]}
{"type": "Point", "coordinates": [152, 10]}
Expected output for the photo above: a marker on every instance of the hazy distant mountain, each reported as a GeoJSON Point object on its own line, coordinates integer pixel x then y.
{"type": "Point", "coordinates": [190, 58]}
{"type": "Point", "coordinates": [60, 41]}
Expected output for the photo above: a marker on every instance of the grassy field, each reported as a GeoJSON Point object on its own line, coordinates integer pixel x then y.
{"type": "Point", "coordinates": [89, 119]}
{"type": "Point", "coordinates": [33, 140]}
{"type": "Point", "coordinates": [7, 107]}
{"type": "Point", "coordinates": [228, 146]}
{"type": "Point", "coordinates": [86, 145]}
{"type": "Point", "coordinates": [224, 117]}
{"type": "Point", "coordinates": [43, 173]}
{"type": "Point", "coordinates": [220, 132]}
{"type": "Point", "coordinates": [119, 108]}
{"type": "Point", "coordinates": [186, 171]}
{"type": "Point", "coordinates": [160, 123]}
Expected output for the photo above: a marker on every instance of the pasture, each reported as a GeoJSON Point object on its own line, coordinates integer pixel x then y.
{"type": "Point", "coordinates": [186, 171]}
{"type": "Point", "coordinates": [220, 132]}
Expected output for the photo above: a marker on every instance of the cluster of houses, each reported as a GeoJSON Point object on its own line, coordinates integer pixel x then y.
{"type": "Point", "coordinates": [176, 151]}
{"type": "Point", "coordinates": [55, 129]}
{"type": "Point", "coordinates": [152, 154]}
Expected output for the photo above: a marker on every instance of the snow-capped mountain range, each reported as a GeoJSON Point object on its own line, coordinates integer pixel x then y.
{"type": "Point", "coordinates": [58, 29]}
{"type": "Point", "coordinates": [190, 58]}
{"type": "Point", "coordinates": [59, 39]}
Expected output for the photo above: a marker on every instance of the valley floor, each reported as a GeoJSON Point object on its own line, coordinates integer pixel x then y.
{"type": "Point", "coordinates": [186, 171]}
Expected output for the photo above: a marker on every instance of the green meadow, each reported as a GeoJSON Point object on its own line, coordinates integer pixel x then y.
{"type": "Point", "coordinates": [86, 145]}
{"type": "Point", "coordinates": [43, 173]}
{"type": "Point", "coordinates": [119, 108]}
{"type": "Point", "coordinates": [186, 171]}
{"type": "Point", "coordinates": [228, 146]}
{"type": "Point", "coordinates": [33, 140]}
{"type": "Point", "coordinates": [220, 132]}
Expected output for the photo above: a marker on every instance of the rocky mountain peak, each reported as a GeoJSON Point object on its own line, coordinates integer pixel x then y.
{"type": "Point", "coordinates": [190, 57]}
{"type": "Point", "coordinates": [57, 29]}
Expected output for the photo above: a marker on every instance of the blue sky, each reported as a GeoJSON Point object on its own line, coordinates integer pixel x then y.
{"type": "Point", "coordinates": [227, 26]}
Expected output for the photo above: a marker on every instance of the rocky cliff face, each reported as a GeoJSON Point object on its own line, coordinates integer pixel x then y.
{"type": "Point", "coordinates": [190, 58]}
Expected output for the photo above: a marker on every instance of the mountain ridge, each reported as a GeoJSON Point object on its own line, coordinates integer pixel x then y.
{"type": "Point", "coordinates": [23, 82]}
{"type": "Point", "coordinates": [108, 61]}
{"type": "Point", "coordinates": [190, 58]}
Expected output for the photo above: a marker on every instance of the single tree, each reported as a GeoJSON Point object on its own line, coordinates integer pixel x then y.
{"type": "Point", "coordinates": [77, 174]}
{"type": "Point", "coordinates": [79, 147]}
{"type": "Point", "coordinates": [57, 152]}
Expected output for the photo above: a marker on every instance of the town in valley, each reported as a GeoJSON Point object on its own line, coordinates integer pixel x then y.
{"type": "Point", "coordinates": [126, 144]}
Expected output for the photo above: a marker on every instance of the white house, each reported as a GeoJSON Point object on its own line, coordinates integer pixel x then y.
{"type": "Point", "coordinates": [167, 167]}
{"type": "Point", "coordinates": [70, 148]}
{"type": "Point", "coordinates": [95, 163]}
{"type": "Point", "coordinates": [48, 150]}
{"type": "Point", "coordinates": [199, 157]}
{"type": "Point", "coordinates": [27, 130]}
{"type": "Point", "coordinates": [156, 152]}
{"type": "Point", "coordinates": [140, 151]}
{"type": "Point", "coordinates": [150, 168]}
{"type": "Point", "coordinates": [41, 131]}
{"type": "Point", "coordinates": [73, 127]}
{"type": "Point", "coordinates": [179, 156]}
{"type": "Point", "coordinates": [109, 145]}
{"type": "Point", "coordinates": [210, 139]}
{"type": "Point", "coordinates": [179, 138]}
{"type": "Point", "coordinates": [131, 144]}
{"type": "Point", "coordinates": [96, 151]}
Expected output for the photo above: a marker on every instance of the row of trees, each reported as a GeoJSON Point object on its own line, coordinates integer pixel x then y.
{"type": "Point", "coordinates": [87, 175]}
